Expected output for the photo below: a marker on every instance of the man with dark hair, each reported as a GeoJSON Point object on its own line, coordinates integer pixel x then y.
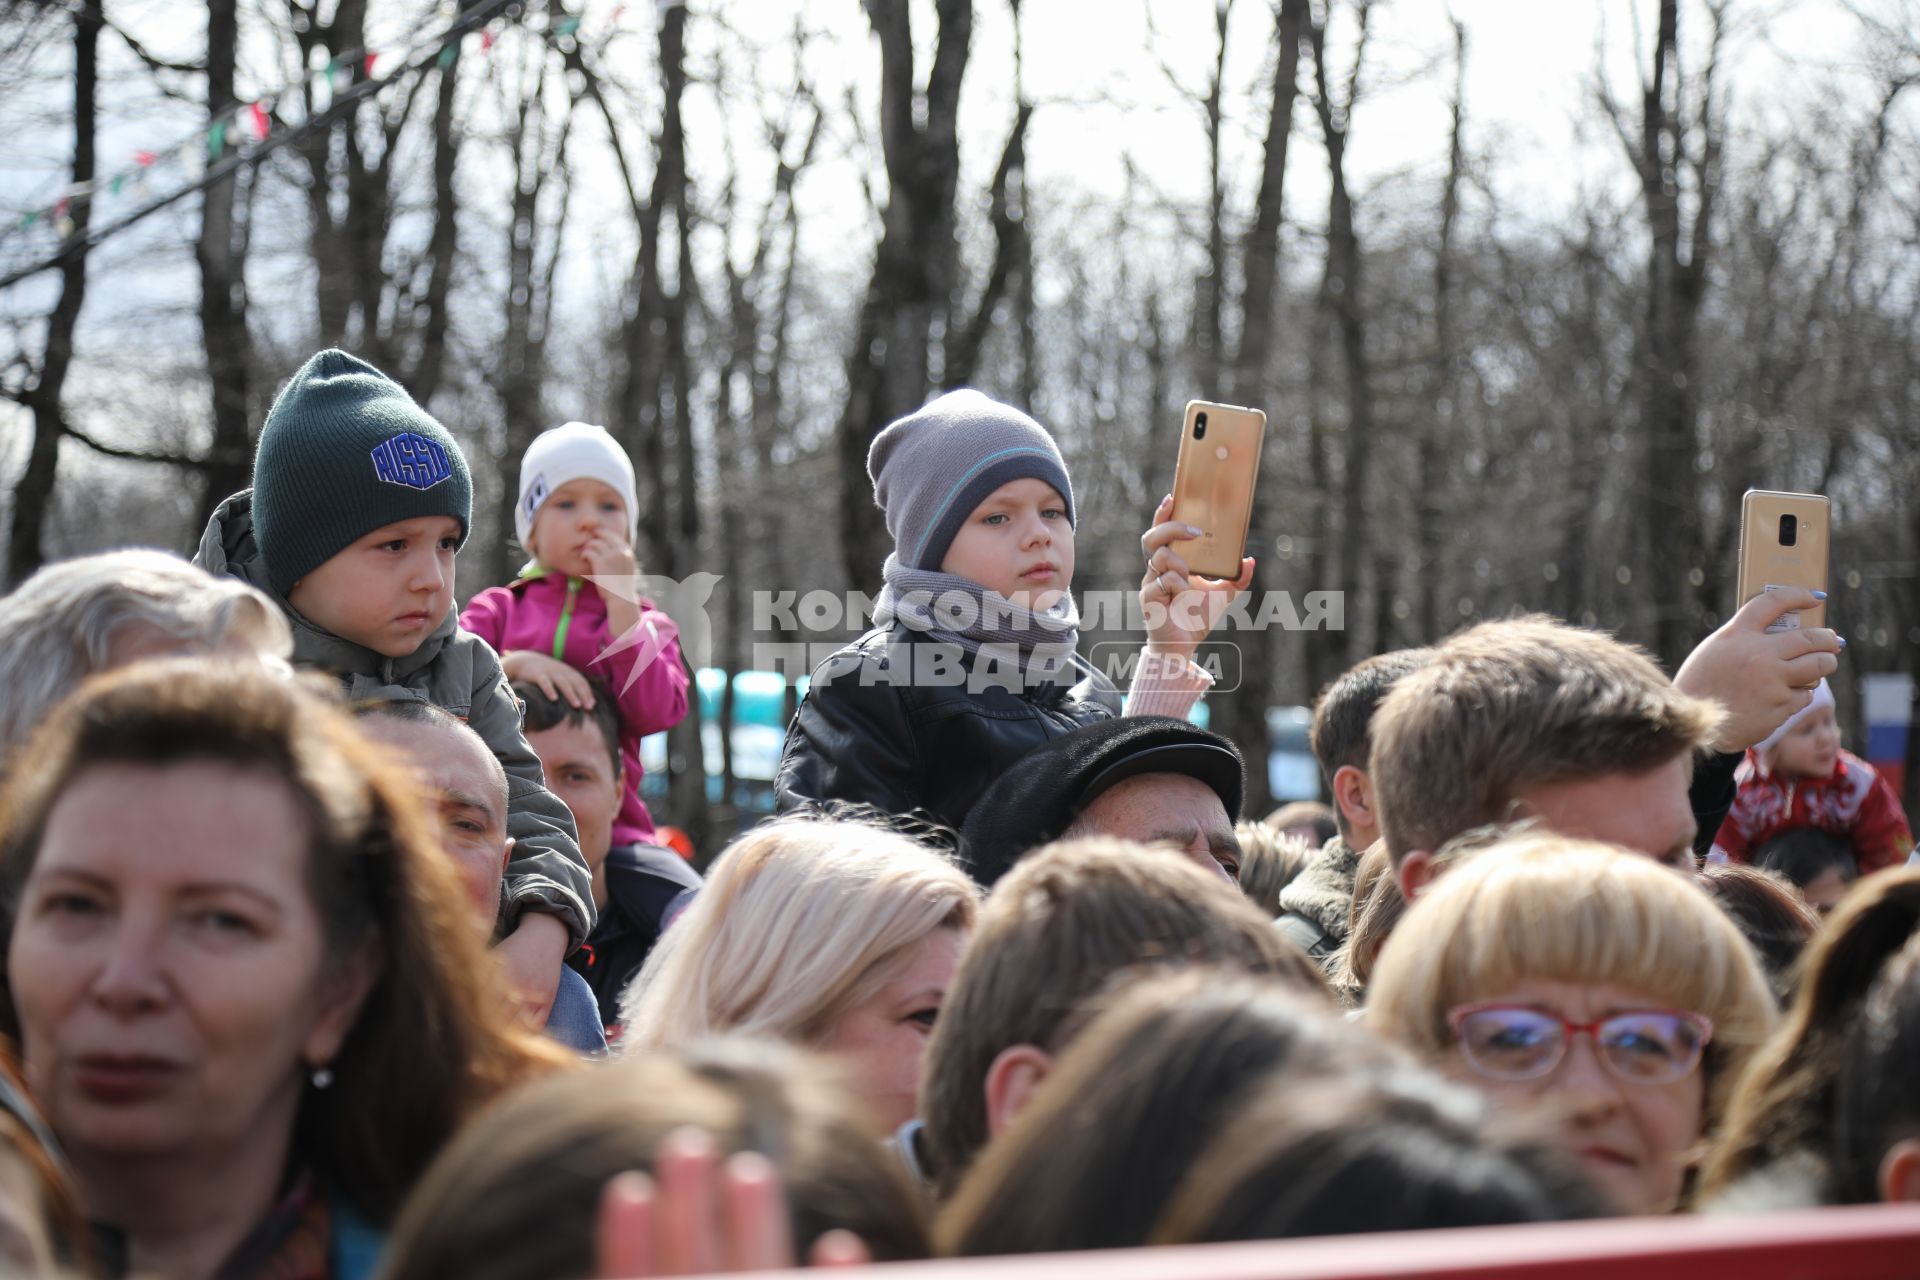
{"type": "Point", "coordinates": [1316, 907]}
{"type": "Point", "coordinates": [1150, 779]}
{"type": "Point", "coordinates": [637, 888]}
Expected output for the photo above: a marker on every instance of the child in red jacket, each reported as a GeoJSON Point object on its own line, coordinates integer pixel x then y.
{"type": "Point", "coordinates": [1800, 777]}
{"type": "Point", "coordinates": [576, 518]}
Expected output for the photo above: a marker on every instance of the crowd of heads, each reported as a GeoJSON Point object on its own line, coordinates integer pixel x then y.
{"type": "Point", "coordinates": [336, 940]}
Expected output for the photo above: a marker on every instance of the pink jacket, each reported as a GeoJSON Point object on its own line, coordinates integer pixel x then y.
{"type": "Point", "coordinates": [565, 618]}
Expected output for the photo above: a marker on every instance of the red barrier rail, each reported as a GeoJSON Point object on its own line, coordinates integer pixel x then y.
{"type": "Point", "coordinates": [1872, 1242]}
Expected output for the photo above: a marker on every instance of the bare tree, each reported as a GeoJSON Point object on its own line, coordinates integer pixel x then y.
{"type": "Point", "coordinates": [908, 307]}
{"type": "Point", "coordinates": [42, 391]}
{"type": "Point", "coordinates": [1676, 150]}
{"type": "Point", "coordinates": [221, 252]}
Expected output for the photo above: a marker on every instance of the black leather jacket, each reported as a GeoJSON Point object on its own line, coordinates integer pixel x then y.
{"type": "Point", "coordinates": [867, 733]}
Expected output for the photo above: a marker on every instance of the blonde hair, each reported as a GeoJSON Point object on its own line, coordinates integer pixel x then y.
{"type": "Point", "coordinates": [1505, 707]}
{"type": "Point", "coordinates": [1544, 907]}
{"type": "Point", "coordinates": [800, 920]}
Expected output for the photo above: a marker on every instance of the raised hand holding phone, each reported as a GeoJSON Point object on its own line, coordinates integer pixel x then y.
{"type": "Point", "coordinates": [1180, 609]}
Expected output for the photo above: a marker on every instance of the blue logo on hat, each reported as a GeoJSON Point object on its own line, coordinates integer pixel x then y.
{"type": "Point", "coordinates": [411, 460]}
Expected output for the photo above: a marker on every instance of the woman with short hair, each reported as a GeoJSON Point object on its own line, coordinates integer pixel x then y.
{"type": "Point", "coordinates": [80, 617]}
{"type": "Point", "coordinates": [237, 970]}
{"type": "Point", "coordinates": [830, 933]}
{"type": "Point", "coordinates": [1597, 982]}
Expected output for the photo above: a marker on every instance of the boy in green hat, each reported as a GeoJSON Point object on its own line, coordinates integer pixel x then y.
{"type": "Point", "coordinates": [359, 501]}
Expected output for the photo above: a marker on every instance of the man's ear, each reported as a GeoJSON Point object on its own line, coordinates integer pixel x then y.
{"type": "Point", "coordinates": [506, 856]}
{"type": "Point", "coordinates": [1353, 792]}
{"type": "Point", "coordinates": [1011, 1080]}
{"type": "Point", "coordinates": [1415, 872]}
{"type": "Point", "coordinates": [1900, 1171]}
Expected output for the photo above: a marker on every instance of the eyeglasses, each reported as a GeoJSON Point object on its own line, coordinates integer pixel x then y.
{"type": "Point", "coordinates": [1513, 1042]}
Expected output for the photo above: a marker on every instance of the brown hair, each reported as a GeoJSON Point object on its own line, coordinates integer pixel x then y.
{"type": "Point", "coordinates": [1269, 861]}
{"type": "Point", "coordinates": [1342, 732]}
{"type": "Point", "coordinates": [1394, 1150]}
{"type": "Point", "coordinates": [1785, 1102]}
{"type": "Point", "coordinates": [24, 1130]}
{"type": "Point", "coordinates": [1136, 1098]}
{"type": "Point", "coordinates": [1505, 707]}
{"type": "Point", "coordinates": [514, 1197]}
{"type": "Point", "coordinates": [1378, 905]}
{"type": "Point", "coordinates": [1320, 818]}
{"type": "Point", "coordinates": [1055, 931]}
{"type": "Point", "coordinates": [434, 1038]}
{"type": "Point", "coordinates": [1769, 913]}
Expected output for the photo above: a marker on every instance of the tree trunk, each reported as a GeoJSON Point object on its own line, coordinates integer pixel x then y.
{"type": "Point", "coordinates": [909, 298]}
{"type": "Point", "coordinates": [33, 495]}
{"type": "Point", "coordinates": [1241, 714]}
{"type": "Point", "coordinates": [220, 252]}
{"type": "Point", "coordinates": [1343, 290]}
{"type": "Point", "coordinates": [1436, 432]}
{"type": "Point", "coordinates": [1676, 278]}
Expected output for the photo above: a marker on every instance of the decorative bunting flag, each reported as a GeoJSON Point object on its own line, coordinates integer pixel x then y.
{"type": "Point", "coordinates": [222, 136]}
{"type": "Point", "coordinates": [567, 25]}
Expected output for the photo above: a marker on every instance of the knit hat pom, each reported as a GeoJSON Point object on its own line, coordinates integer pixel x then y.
{"type": "Point", "coordinates": [930, 469]}
{"type": "Point", "coordinates": [1822, 697]}
{"type": "Point", "coordinates": [575, 451]}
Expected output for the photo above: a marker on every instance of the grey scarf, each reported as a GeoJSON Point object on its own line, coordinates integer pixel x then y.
{"type": "Point", "coordinates": [959, 611]}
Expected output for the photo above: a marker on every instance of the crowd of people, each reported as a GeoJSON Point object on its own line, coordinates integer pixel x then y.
{"type": "Point", "coordinates": [338, 942]}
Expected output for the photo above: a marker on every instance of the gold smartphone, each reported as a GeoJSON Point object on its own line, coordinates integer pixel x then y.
{"type": "Point", "coordinates": [1783, 543]}
{"type": "Point", "coordinates": [1213, 484]}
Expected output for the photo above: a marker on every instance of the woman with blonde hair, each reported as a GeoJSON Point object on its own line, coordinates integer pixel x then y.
{"type": "Point", "coordinates": [1595, 981]}
{"type": "Point", "coordinates": [830, 933]}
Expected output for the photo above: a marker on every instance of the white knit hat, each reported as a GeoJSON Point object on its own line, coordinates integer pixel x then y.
{"type": "Point", "coordinates": [1822, 697]}
{"type": "Point", "coordinates": [576, 451]}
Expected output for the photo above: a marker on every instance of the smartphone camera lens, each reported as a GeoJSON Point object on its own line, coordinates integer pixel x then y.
{"type": "Point", "coordinates": [1789, 531]}
{"type": "Point", "coordinates": [1199, 426]}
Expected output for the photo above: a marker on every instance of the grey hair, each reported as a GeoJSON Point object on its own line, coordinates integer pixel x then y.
{"type": "Point", "coordinates": [59, 626]}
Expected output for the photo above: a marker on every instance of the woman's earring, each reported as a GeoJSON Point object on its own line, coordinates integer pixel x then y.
{"type": "Point", "coordinates": [322, 1077]}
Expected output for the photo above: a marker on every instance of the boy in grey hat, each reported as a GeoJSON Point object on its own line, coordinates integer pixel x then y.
{"type": "Point", "coordinates": [360, 500]}
{"type": "Point", "coordinates": [973, 661]}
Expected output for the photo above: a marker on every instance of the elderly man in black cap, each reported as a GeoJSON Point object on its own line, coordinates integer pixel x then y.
{"type": "Point", "coordinates": [1144, 778]}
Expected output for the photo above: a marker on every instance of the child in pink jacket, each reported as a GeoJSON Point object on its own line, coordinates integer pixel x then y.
{"type": "Point", "coordinates": [576, 517]}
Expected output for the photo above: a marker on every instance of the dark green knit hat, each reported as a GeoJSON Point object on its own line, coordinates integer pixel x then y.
{"type": "Point", "coordinates": [344, 451]}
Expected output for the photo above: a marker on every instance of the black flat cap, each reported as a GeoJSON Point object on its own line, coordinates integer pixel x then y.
{"type": "Point", "coordinates": [1038, 798]}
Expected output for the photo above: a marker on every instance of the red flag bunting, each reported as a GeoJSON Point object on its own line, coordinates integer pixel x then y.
{"type": "Point", "coordinates": [144, 159]}
{"type": "Point", "coordinates": [261, 125]}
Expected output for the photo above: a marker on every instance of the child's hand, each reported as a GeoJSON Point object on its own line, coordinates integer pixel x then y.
{"type": "Point", "coordinates": [532, 955]}
{"type": "Point", "coordinates": [702, 1215]}
{"type": "Point", "coordinates": [555, 679]}
{"type": "Point", "coordinates": [1180, 610]}
{"type": "Point", "coordinates": [1760, 677]}
{"type": "Point", "coordinates": [609, 557]}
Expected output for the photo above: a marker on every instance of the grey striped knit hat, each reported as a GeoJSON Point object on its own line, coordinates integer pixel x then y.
{"type": "Point", "coordinates": [930, 469]}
